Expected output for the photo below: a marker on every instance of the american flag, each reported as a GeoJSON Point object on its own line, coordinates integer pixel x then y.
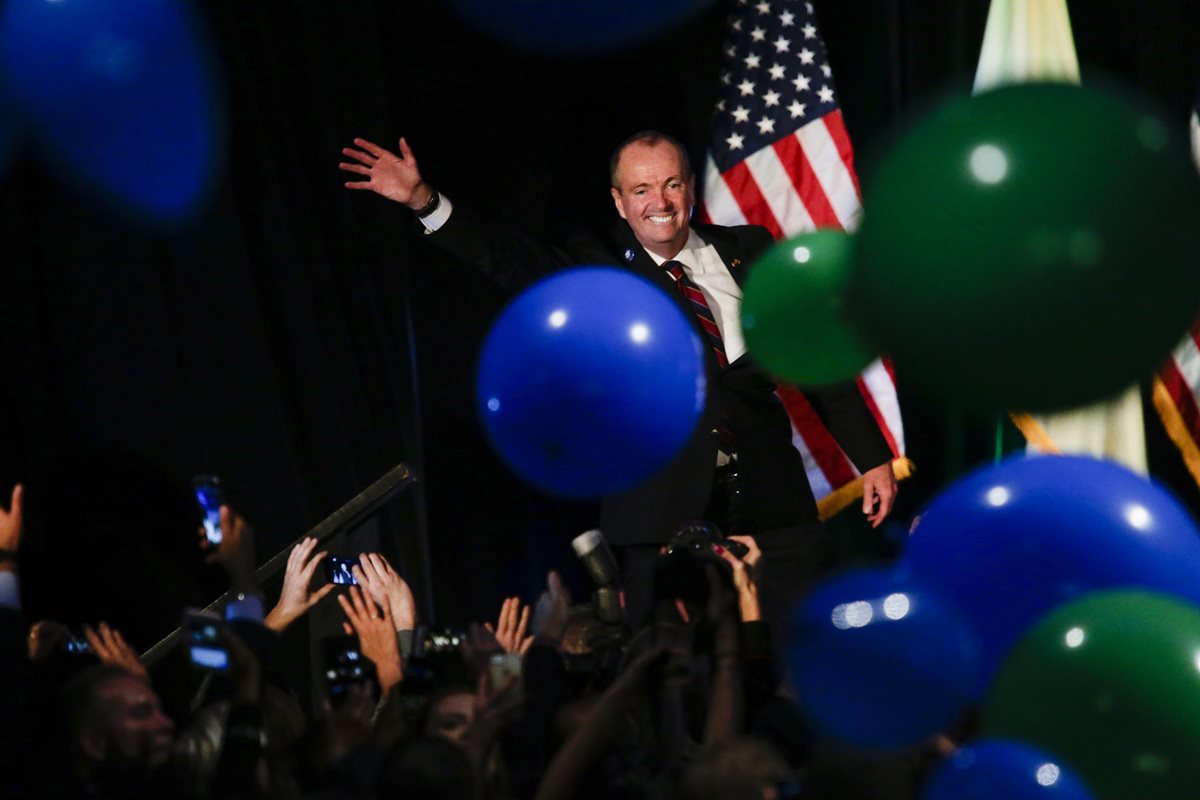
{"type": "Point", "coordinates": [780, 157]}
{"type": "Point", "coordinates": [1177, 386]}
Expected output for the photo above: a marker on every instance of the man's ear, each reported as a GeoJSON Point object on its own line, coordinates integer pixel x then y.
{"type": "Point", "coordinates": [619, 202]}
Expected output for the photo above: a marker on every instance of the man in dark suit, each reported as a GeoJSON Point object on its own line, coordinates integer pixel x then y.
{"type": "Point", "coordinates": [740, 465]}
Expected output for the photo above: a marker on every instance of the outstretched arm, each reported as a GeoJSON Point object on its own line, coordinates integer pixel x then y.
{"type": "Point", "coordinates": [393, 176]}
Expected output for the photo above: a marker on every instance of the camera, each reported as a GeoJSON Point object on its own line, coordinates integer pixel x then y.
{"type": "Point", "coordinates": [202, 634]}
{"type": "Point", "coordinates": [699, 536]}
{"type": "Point", "coordinates": [345, 666]}
{"type": "Point", "coordinates": [210, 498]}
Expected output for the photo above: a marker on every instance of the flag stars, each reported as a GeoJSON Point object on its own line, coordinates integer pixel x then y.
{"type": "Point", "coordinates": [771, 99]}
{"type": "Point", "coordinates": [735, 142]}
{"type": "Point", "coordinates": [797, 108]}
{"type": "Point", "coordinates": [721, 104]}
{"type": "Point", "coordinates": [787, 19]}
{"type": "Point", "coordinates": [827, 70]}
{"type": "Point", "coordinates": [777, 72]}
{"type": "Point", "coordinates": [737, 25]}
{"type": "Point", "coordinates": [766, 125]}
{"type": "Point", "coordinates": [808, 7]}
{"type": "Point", "coordinates": [758, 34]}
{"type": "Point", "coordinates": [751, 61]}
{"type": "Point", "coordinates": [746, 88]}
{"type": "Point", "coordinates": [802, 82]}
{"type": "Point", "coordinates": [810, 31]}
{"type": "Point", "coordinates": [782, 45]}
{"type": "Point", "coordinates": [764, 7]}
{"type": "Point", "coordinates": [807, 56]}
{"type": "Point", "coordinates": [826, 94]}
{"type": "Point", "coordinates": [741, 114]}
{"type": "Point", "coordinates": [726, 78]}
{"type": "Point", "coordinates": [731, 52]}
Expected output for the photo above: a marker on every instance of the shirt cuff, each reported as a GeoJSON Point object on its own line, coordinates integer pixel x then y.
{"type": "Point", "coordinates": [439, 216]}
{"type": "Point", "coordinates": [10, 591]}
{"type": "Point", "coordinates": [245, 606]}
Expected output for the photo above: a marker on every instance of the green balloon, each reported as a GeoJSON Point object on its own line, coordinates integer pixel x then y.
{"type": "Point", "coordinates": [1033, 248]}
{"type": "Point", "coordinates": [1111, 684]}
{"type": "Point", "coordinates": [793, 311]}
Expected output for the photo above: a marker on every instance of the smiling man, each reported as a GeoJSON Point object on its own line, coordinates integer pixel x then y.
{"type": "Point", "coordinates": [740, 469]}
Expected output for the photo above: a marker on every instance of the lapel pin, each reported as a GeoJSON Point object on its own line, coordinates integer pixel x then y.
{"type": "Point", "coordinates": [737, 262]}
{"type": "Point", "coordinates": [629, 256]}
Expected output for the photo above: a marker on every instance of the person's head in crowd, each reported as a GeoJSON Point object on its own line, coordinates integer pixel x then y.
{"type": "Point", "coordinates": [743, 768]}
{"type": "Point", "coordinates": [449, 713]}
{"type": "Point", "coordinates": [115, 724]}
{"type": "Point", "coordinates": [426, 769]}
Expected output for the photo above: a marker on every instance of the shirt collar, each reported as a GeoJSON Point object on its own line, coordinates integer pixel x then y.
{"type": "Point", "coordinates": [686, 256]}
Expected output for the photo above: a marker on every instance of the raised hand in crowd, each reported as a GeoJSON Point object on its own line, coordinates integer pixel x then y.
{"type": "Point", "coordinates": [111, 648]}
{"type": "Point", "coordinates": [552, 610]}
{"type": "Point", "coordinates": [511, 627]}
{"type": "Point", "coordinates": [745, 576]}
{"type": "Point", "coordinates": [387, 588]}
{"type": "Point", "coordinates": [235, 553]}
{"type": "Point", "coordinates": [11, 522]}
{"type": "Point", "coordinates": [297, 596]}
{"type": "Point", "coordinates": [393, 176]}
{"type": "Point", "coordinates": [376, 636]}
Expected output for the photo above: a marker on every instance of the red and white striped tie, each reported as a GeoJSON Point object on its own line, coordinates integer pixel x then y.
{"type": "Point", "coordinates": [699, 307]}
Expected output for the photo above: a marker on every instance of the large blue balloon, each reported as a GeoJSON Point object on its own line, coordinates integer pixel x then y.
{"type": "Point", "coordinates": [120, 97]}
{"type": "Point", "coordinates": [997, 769]}
{"type": "Point", "coordinates": [569, 27]}
{"type": "Point", "coordinates": [1010, 542]}
{"type": "Point", "coordinates": [879, 661]}
{"type": "Point", "coordinates": [590, 381]}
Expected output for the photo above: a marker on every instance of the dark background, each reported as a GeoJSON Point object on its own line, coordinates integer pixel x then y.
{"type": "Point", "coordinates": [301, 339]}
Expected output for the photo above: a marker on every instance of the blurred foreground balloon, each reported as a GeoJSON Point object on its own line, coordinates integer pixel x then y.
{"type": "Point", "coordinates": [568, 27]}
{"type": "Point", "coordinates": [995, 769]}
{"type": "Point", "coordinates": [1011, 542]}
{"type": "Point", "coordinates": [590, 381]}
{"type": "Point", "coordinates": [793, 311]}
{"type": "Point", "coordinates": [880, 662]}
{"type": "Point", "coordinates": [1032, 248]}
{"type": "Point", "coordinates": [1111, 684]}
{"type": "Point", "coordinates": [120, 98]}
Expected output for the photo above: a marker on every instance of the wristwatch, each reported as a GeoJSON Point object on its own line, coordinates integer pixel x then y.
{"type": "Point", "coordinates": [435, 200]}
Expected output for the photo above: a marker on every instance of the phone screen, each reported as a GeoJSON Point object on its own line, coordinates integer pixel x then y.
{"type": "Point", "coordinates": [210, 498]}
{"type": "Point", "coordinates": [202, 632]}
{"type": "Point", "coordinates": [338, 570]}
{"type": "Point", "coordinates": [76, 643]}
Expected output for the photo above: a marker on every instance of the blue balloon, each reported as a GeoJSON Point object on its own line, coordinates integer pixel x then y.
{"type": "Point", "coordinates": [120, 99]}
{"type": "Point", "coordinates": [997, 769]}
{"type": "Point", "coordinates": [590, 381]}
{"type": "Point", "coordinates": [878, 661]}
{"type": "Point", "coordinates": [1010, 542]}
{"type": "Point", "coordinates": [567, 27]}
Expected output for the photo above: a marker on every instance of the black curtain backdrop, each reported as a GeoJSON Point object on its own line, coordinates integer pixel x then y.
{"type": "Point", "coordinates": [301, 339]}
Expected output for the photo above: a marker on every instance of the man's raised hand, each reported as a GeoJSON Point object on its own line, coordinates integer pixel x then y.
{"type": "Point", "coordinates": [395, 177]}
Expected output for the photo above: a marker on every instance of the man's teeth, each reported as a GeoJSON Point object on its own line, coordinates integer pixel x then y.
{"type": "Point", "coordinates": [662, 218]}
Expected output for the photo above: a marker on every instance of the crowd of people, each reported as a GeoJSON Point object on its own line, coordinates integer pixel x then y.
{"type": "Point", "coordinates": [549, 701]}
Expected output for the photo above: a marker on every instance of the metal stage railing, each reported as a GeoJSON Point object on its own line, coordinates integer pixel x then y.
{"type": "Point", "coordinates": [349, 516]}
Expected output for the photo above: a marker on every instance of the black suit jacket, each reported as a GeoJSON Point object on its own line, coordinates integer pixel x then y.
{"type": "Point", "coordinates": [775, 489]}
